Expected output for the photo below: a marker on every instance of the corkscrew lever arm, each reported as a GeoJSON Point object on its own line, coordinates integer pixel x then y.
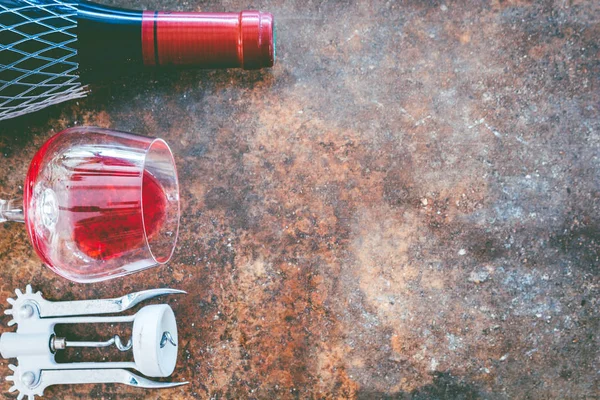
{"type": "Point", "coordinates": [49, 309]}
{"type": "Point", "coordinates": [75, 377]}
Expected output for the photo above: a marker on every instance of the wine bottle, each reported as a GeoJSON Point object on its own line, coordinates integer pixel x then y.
{"type": "Point", "coordinates": [51, 49]}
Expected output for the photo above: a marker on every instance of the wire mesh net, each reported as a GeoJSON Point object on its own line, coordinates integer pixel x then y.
{"type": "Point", "coordinates": [38, 58]}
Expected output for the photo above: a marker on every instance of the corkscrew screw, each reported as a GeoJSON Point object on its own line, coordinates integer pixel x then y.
{"type": "Point", "coordinates": [34, 344]}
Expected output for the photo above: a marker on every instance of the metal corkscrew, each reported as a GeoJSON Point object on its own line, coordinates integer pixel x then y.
{"type": "Point", "coordinates": [34, 344]}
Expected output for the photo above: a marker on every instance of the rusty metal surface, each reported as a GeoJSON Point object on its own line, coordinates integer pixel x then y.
{"type": "Point", "coordinates": [406, 206]}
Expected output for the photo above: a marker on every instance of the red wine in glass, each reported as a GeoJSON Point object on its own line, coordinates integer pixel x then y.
{"type": "Point", "coordinates": [100, 204]}
{"type": "Point", "coordinates": [109, 232]}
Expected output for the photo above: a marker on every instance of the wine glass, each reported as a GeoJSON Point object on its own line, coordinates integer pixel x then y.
{"type": "Point", "coordinates": [99, 203]}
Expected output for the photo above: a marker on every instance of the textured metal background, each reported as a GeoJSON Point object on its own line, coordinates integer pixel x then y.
{"type": "Point", "coordinates": [406, 206]}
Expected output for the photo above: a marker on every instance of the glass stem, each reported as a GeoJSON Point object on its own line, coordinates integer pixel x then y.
{"type": "Point", "coordinates": [12, 210]}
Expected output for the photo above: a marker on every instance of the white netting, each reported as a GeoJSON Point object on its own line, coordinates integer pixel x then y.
{"type": "Point", "coordinates": [38, 65]}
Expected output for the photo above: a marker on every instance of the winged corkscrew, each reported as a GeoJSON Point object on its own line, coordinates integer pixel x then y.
{"type": "Point", "coordinates": [34, 344]}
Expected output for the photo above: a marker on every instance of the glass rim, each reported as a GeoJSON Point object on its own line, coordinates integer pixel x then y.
{"type": "Point", "coordinates": [176, 236]}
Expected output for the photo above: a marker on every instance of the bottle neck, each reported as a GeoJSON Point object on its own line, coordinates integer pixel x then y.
{"type": "Point", "coordinates": [208, 40]}
{"type": "Point", "coordinates": [116, 41]}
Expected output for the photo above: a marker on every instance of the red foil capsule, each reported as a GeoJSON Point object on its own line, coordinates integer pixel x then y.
{"type": "Point", "coordinates": [208, 40]}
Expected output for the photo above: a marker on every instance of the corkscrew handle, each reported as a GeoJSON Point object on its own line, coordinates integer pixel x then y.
{"type": "Point", "coordinates": [12, 210]}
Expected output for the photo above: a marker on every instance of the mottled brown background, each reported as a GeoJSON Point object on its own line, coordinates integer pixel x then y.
{"type": "Point", "coordinates": [406, 206]}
